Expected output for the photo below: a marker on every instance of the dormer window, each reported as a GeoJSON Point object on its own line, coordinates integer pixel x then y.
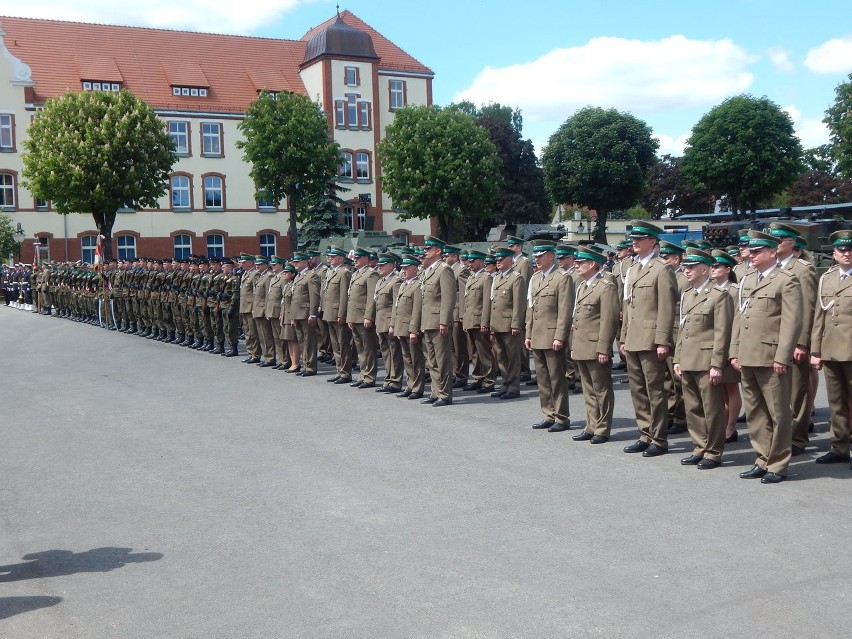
{"type": "Point", "coordinates": [189, 92]}
{"type": "Point", "coordinates": [98, 85]}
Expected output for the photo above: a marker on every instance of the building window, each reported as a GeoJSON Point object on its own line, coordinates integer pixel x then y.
{"type": "Point", "coordinates": [179, 133]}
{"type": "Point", "coordinates": [347, 217]}
{"type": "Point", "coordinates": [267, 244]}
{"type": "Point", "coordinates": [352, 113]}
{"type": "Point", "coordinates": [344, 172]}
{"type": "Point", "coordinates": [362, 218]}
{"type": "Point", "coordinates": [189, 92]}
{"type": "Point", "coordinates": [211, 139]}
{"type": "Point", "coordinates": [42, 205]}
{"type": "Point", "coordinates": [215, 246]}
{"type": "Point", "coordinates": [364, 115]}
{"type": "Point", "coordinates": [352, 76]}
{"type": "Point", "coordinates": [7, 132]}
{"type": "Point", "coordinates": [88, 244]}
{"type": "Point", "coordinates": [7, 191]}
{"type": "Point", "coordinates": [362, 167]}
{"type": "Point", "coordinates": [265, 203]}
{"type": "Point", "coordinates": [181, 192]}
{"type": "Point", "coordinates": [214, 195]}
{"type": "Point", "coordinates": [126, 247]}
{"type": "Point", "coordinates": [100, 85]}
{"type": "Point", "coordinates": [183, 246]}
{"type": "Point", "coordinates": [398, 94]}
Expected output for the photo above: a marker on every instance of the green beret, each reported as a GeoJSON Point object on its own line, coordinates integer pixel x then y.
{"type": "Point", "coordinates": [697, 256]}
{"type": "Point", "coordinates": [759, 239]}
{"type": "Point", "coordinates": [640, 228]}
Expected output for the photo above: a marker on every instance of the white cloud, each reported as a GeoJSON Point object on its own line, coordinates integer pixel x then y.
{"type": "Point", "coordinates": [834, 56]}
{"type": "Point", "coordinates": [631, 75]}
{"type": "Point", "coordinates": [217, 16]}
{"type": "Point", "coordinates": [811, 131]}
{"type": "Point", "coordinates": [780, 59]}
{"type": "Point", "coordinates": [670, 145]}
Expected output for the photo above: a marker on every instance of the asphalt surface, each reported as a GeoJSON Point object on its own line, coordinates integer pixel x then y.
{"type": "Point", "coordinates": [148, 490]}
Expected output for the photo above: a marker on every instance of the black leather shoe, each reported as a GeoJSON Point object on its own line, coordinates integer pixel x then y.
{"type": "Point", "coordinates": [795, 451]}
{"type": "Point", "coordinates": [497, 393]}
{"type": "Point", "coordinates": [543, 424]}
{"type": "Point", "coordinates": [331, 380]}
{"type": "Point", "coordinates": [277, 367]}
{"type": "Point", "coordinates": [367, 385]}
{"type": "Point", "coordinates": [654, 451]}
{"type": "Point", "coordinates": [676, 429]}
{"type": "Point", "coordinates": [267, 364]}
{"type": "Point", "coordinates": [404, 393]}
{"type": "Point", "coordinates": [692, 460]}
{"type": "Point", "coordinates": [636, 447]}
{"type": "Point", "coordinates": [532, 382]}
{"type": "Point", "coordinates": [392, 389]}
{"type": "Point", "coordinates": [485, 389]}
{"type": "Point", "coordinates": [755, 472]}
{"type": "Point", "coordinates": [343, 380]}
{"type": "Point", "coordinates": [296, 370]}
{"type": "Point", "coordinates": [443, 402]}
{"type": "Point", "coordinates": [383, 389]}
{"type": "Point", "coordinates": [741, 419]}
{"type": "Point", "coordinates": [415, 396]}
{"type": "Point", "coordinates": [459, 384]}
{"type": "Point", "coordinates": [599, 439]}
{"type": "Point", "coordinates": [471, 387]}
{"type": "Point", "coordinates": [582, 437]}
{"type": "Point", "coordinates": [356, 384]}
{"type": "Point", "coordinates": [508, 395]}
{"type": "Point", "coordinates": [559, 428]}
{"type": "Point", "coordinates": [428, 400]}
{"type": "Point", "coordinates": [832, 458]}
{"type": "Point", "coordinates": [252, 360]}
{"type": "Point", "coordinates": [707, 464]}
{"type": "Point", "coordinates": [732, 438]}
{"type": "Point", "coordinates": [772, 478]}
{"type": "Point", "coordinates": [306, 373]}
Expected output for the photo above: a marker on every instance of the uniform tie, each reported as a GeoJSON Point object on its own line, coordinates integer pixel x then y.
{"type": "Point", "coordinates": [843, 277]}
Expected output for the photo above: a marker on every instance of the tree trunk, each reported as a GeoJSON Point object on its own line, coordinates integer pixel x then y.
{"type": "Point", "coordinates": [293, 232]}
{"type": "Point", "coordinates": [104, 223]}
{"type": "Point", "coordinates": [445, 222]}
{"type": "Point", "coordinates": [600, 227]}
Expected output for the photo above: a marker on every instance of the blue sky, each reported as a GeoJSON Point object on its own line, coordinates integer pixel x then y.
{"type": "Point", "coordinates": [665, 62]}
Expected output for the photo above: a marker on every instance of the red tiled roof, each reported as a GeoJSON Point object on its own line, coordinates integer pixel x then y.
{"type": "Point", "coordinates": [392, 57]}
{"type": "Point", "coordinates": [149, 61]}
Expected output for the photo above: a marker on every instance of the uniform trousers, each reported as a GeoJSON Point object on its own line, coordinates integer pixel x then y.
{"type": "Point", "coordinates": [230, 323]}
{"type": "Point", "coordinates": [264, 336]}
{"type": "Point", "coordinates": [706, 418]}
{"type": "Point", "coordinates": [216, 325]}
{"type": "Point", "coordinates": [392, 358]}
{"type": "Point", "coordinates": [766, 397]}
{"type": "Point", "coordinates": [484, 365]}
{"type": "Point", "coordinates": [552, 384]}
{"type": "Point", "coordinates": [510, 352]}
{"type": "Point", "coordinates": [460, 353]}
{"type": "Point", "coordinates": [279, 346]}
{"type": "Point", "coordinates": [341, 343]}
{"type": "Point", "coordinates": [800, 406]}
{"type": "Point", "coordinates": [646, 376]}
{"type": "Point", "coordinates": [306, 335]}
{"type": "Point", "coordinates": [438, 350]}
{"type": "Point", "coordinates": [366, 347]}
{"type": "Point", "coordinates": [596, 379]}
{"type": "Point", "coordinates": [838, 382]}
{"type": "Point", "coordinates": [250, 330]}
{"type": "Point", "coordinates": [415, 366]}
{"type": "Point", "coordinates": [676, 408]}
{"type": "Point", "coordinates": [324, 338]}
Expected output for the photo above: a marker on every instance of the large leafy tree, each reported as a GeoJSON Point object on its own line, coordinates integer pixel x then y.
{"type": "Point", "coordinates": [96, 152]}
{"type": "Point", "coordinates": [839, 120]}
{"type": "Point", "coordinates": [322, 220]}
{"type": "Point", "coordinates": [821, 182]}
{"type": "Point", "coordinates": [439, 163]}
{"type": "Point", "coordinates": [8, 245]}
{"type": "Point", "coordinates": [291, 154]}
{"type": "Point", "coordinates": [599, 158]}
{"type": "Point", "coordinates": [669, 191]}
{"type": "Point", "coordinates": [745, 148]}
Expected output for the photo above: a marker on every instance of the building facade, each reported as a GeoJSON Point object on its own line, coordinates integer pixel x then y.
{"type": "Point", "coordinates": [200, 85]}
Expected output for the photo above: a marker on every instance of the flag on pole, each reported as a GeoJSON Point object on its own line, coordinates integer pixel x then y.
{"type": "Point", "coordinates": [99, 252]}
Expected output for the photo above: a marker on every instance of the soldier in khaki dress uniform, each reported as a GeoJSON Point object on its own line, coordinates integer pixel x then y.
{"type": "Point", "coordinates": [405, 327]}
{"type": "Point", "coordinates": [522, 264]}
{"type": "Point", "coordinates": [831, 347]}
{"type": "Point", "coordinates": [439, 288]}
{"type": "Point", "coordinates": [288, 331]}
{"type": "Point", "coordinates": [385, 297]}
{"type": "Point", "coordinates": [461, 356]}
{"type": "Point", "coordinates": [673, 254]}
{"type": "Point", "coordinates": [333, 302]}
{"type": "Point", "coordinates": [258, 312]}
{"type": "Point", "coordinates": [506, 317]}
{"type": "Point", "coordinates": [766, 328]}
{"type": "Point", "coordinates": [650, 292]}
{"type": "Point", "coordinates": [594, 327]}
{"type": "Point", "coordinates": [247, 264]}
{"type": "Point", "coordinates": [274, 299]}
{"type": "Point", "coordinates": [705, 319]}
{"type": "Point", "coordinates": [304, 312]}
{"type": "Point", "coordinates": [548, 322]}
{"type": "Point", "coordinates": [477, 294]}
{"type": "Point", "coordinates": [360, 315]}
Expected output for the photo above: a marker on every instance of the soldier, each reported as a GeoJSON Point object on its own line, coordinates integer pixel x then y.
{"type": "Point", "coordinates": [258, 312]}
{"type": "Point", "coordinates": [744, 265]}
{"type": "Point", "coordinates": [522, 265]}
{"type": "Point", "coordinates": [594, 327]}
{"type": "Point", "coordinates": [477, 295]}
{"type": "Point", "coordinates": [385, 296]}
{"type": "Point", "coordinates": [360, 315]}
{"type": "Point", "coordinates": [439, 288]}
{"type": "Point", "coordinates": [247, 281]}
{"type": "Point", "coordinates": [461, 370]}
{"type": "Point", "coordinates": [650, 290]}
{"type": "Point", "coordinates": [548, 322]}
{"type": "Point", "coordinates": [565, 255]}
{"type": "Point", "coordinates": [274, 300]}
{"type": "Point", "coordinates": [831, 349]}
{"type": "Point", "coordinates": [334, 300]}
{"type": "Point", "coordinates": [229, 306]}
{"type": "Point", "coordinates": [766, 328]}
{"type": "Point", "coordinates": [304, 312]}
{"type": "Point", "coordinates": [705, 318]}
{"type": "Point", "coordinates": [673, 254]}
{"type": "Point", "coordinates": [405, 327]}
{"type": "Point", "coordinates": [288, 331]}
{"type": "Point", "coordinates": [723, 276]}
{"type": "Point", "coordinates": [324, 351]}
{"type": "Point", "coordinates": [505, 316]}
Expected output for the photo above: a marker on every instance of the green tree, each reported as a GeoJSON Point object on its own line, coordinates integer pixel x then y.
{"type": "Point", "coordinates": [8, 245]}
{"type": "Point", "coordinates": [96, 152]}
{"type": "Point", "coordinates": [600, 159]}
{"type": "Point", "coordinates": [322, 220]}
{"type": "Point", "coordinates": [439, 163]}
{"type": "Point", "coordinates": [291, 154]}
{"type": "Point", "coordinates": [744, 148]}
{"type": "Point", "coordinates": [838, 117]}
{"type": "Point", "coordinates": [669, 191]}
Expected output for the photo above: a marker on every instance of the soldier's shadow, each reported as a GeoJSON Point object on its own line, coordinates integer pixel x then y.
{"type": "Point", "coordinates": [56, 563]}
{"type": "Point", "coordinates": [11, 606]}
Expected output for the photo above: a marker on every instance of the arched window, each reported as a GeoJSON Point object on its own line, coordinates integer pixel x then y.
{"type": "Point", "coordinates": [215, 245]}
{"type": "Point", "coordinates": [183, 246]}
{"type": "Point", "coordinates": [7, 191]}
{"type": "Point", "coordinates": [126, 247]}
{"type": "Point", "coordinates": [267, 244]}
{"type": "Point", "coordinates": [214, 192]}
{"type": "Point", "coordinates": [88, 244]}
{"type": "Point", "coordinates": [181, 192]}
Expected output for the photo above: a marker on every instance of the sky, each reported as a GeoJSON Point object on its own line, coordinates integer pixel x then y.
{"type": "Point", "coordinates": [667, 63]}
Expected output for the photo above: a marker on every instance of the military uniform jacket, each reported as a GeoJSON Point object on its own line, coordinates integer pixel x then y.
{"type": "Point", "coordinates": [706, 321]}
{"type": "Point", "coordinates": [523, 266]}
{"type": "Point", "coordinates": [407, 308]}
{"type": "Point", "coordinates": [508, 303]}
{"type": "Point", "coordinates": [385, 297]}
{"type": "Point", "coordinates": [833, 318]}
{"type": "Point", "coordinates": [650, 295]}
{"type": "Point", "coordinates": [274, 295]}
{"type": "Point", "coordinates": [462, 273]}
{"type": "Point", "coordinates": [362, 290]}
{"type": "Point", "coordinates": [595, 321]}
{"type": "Point", "coordinates": [439, 289]}
{"type": "Point", "coordinates": [336, 294]}
{"type": "Point", "coordinates": [769, 321]}
{"type": "Point", "coordinates": [247, 290]}
{"type": "Point", "coordinates": [306, 296]}
{"type": "Point", "coordinates": [258, 301]}
{"type": "Point", "coordinates": [806, 273]}
{"type": "Point", "coordinates": [551, 302]}
{"type": "Point", "coordinates": [477, 294]}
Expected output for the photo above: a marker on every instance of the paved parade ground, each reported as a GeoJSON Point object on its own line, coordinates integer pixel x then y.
{"type": "Point", "coordinates": [152, 491]}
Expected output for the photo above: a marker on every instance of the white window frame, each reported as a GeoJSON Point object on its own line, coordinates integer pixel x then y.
{"type": "Point", "coordinates": [215, 245]}
{"type": "Point", "coordinates": [126, 247]}
{"type": "Point", "coordinates": [345, 170]}
{"type": "Point", "coordinates": [88, 243]}
{"type": "Point", "coordinates": [267, 244]}
{"type": "Point", "coordinates": [182, 250]}
{"type": "Point", "coordinates": [349, 217]}
{"type": "Point", "coordinates": [7, 132]}
{"type": "Point", "coordinates": [211, 139]}
{"type": "Point", "coordinates": [7, 191]}
{"type": "Point", "coordinates": [175, 189]}
{"type": "Point", "coordinates": [396, 89]}
{"type": "Point", "coordinates": [210, 189]}
{"type": "Point", "coordinates": [362, 161]}
{"type": "Point", "coordinates": [177, 136]}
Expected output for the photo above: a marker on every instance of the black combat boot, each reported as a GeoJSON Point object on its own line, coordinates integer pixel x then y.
{"type": "Point", "coordinates": [220, 348]}
{"type": "Point", "coordinates": [187, 340]}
